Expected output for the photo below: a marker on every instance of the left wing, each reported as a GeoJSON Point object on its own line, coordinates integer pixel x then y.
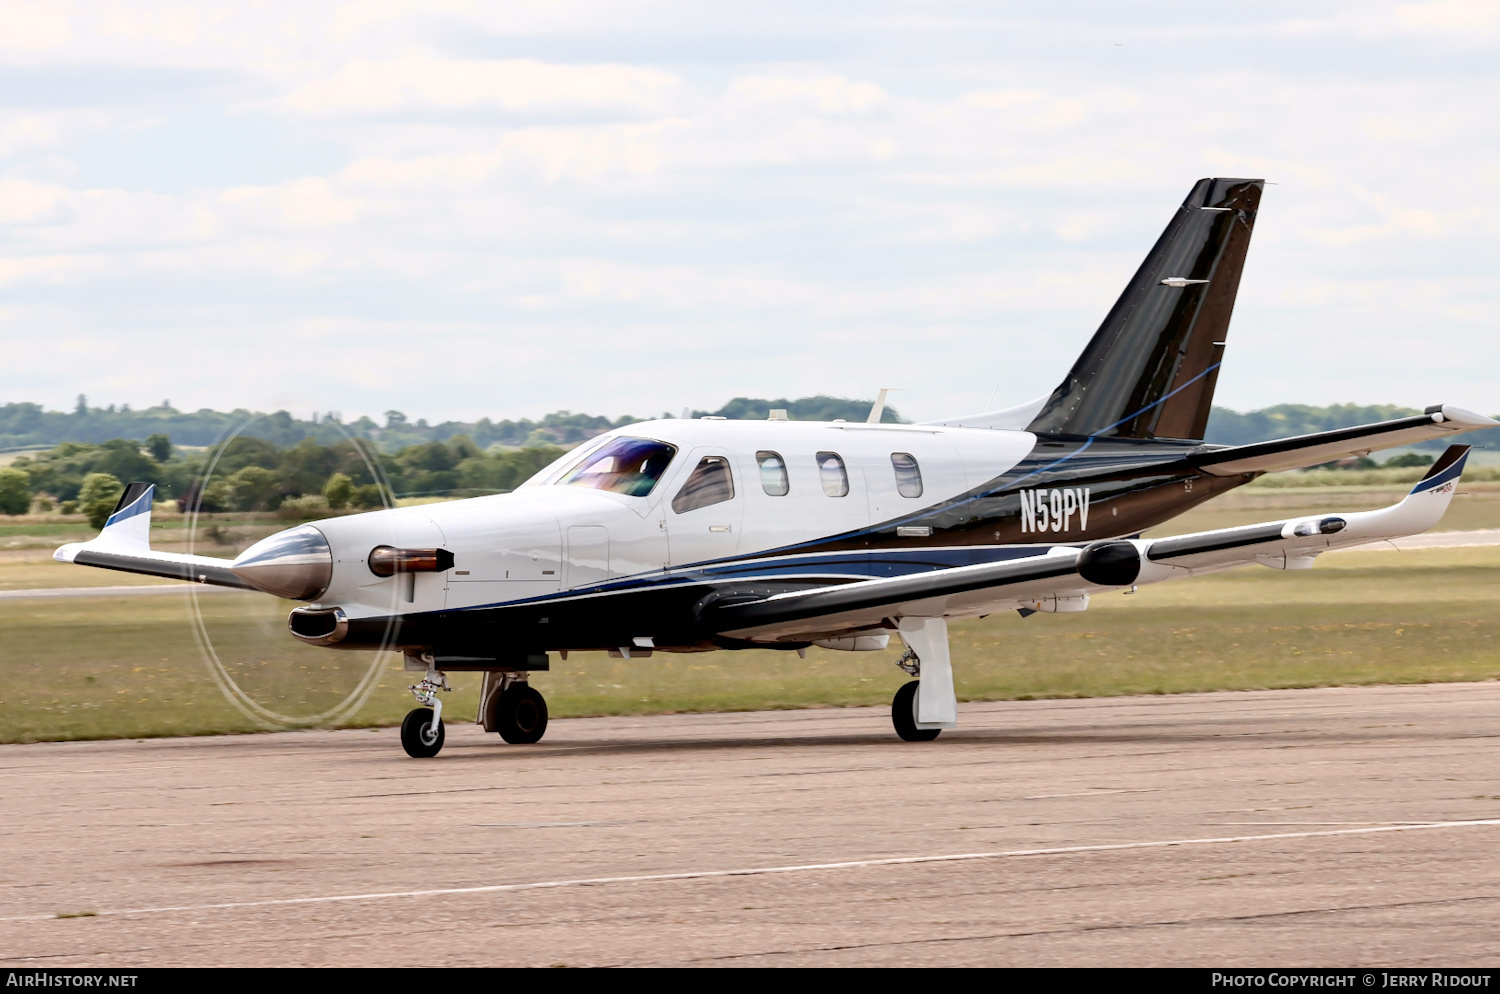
{"type": "Point", "coordinates": [1062, 578]}
{"type": "Point", "coordinates": [125, 544]}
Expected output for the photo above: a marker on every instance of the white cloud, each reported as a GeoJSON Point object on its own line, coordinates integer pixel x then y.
{"type": "Point", "coordinates": [22, 202]}
{"type": "Point", "coordinates": [825, 94]}
{"type": "Point", "coordinates": [1468, 22]}
{"type": "Point", "coordinates": [33, 25]}
{"type": "Point", "coordinates": [303, 203]}
{"type": "Point", "coordinates": [367, 86]}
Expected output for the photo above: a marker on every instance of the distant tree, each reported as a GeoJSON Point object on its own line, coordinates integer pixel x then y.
{"type": "Point", "coordinates": [1408, 459]}
{"type": "Point", "coordinates": [160, 447]}
{"type": "Point", "coordinates": [124, 460]}
{"type": "Point", "coordinates": [242, 451]}
{"type": "Point", "coordinates": [394, 419]}
{"type": "Point", "coordinates": [367, 496]}
{"type": "Point", "coordinates": [98, 495]}
{"type": "Point", "coordinates": [255, 488]}
{"type": "Point", "coordinates": [339, 490]}
{"type": "Point", "coordinates": [15, 491]}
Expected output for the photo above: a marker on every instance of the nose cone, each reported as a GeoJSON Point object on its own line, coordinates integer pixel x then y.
{"type": "Point", "coordinates": [296, 564]}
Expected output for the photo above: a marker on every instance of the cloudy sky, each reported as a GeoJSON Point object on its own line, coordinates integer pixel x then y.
{"type": "Point", "coordinates": [469, 209]}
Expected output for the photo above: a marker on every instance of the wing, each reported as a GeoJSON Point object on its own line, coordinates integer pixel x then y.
{"type": "Point", "coordinates": [125, 544]}
{"type": "Point", "coordinates": [1062, 578]}
{"type": "Point", "coordinates": [1325, 446]}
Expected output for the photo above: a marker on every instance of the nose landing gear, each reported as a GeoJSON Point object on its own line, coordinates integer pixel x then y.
{"type": "Point", "coordinates": [422, 728]}
{"type": "Point", "coordinates": [422, 733]}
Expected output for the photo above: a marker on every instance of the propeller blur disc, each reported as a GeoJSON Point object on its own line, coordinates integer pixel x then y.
{"type": "Point", "coordinates": [269, 676]}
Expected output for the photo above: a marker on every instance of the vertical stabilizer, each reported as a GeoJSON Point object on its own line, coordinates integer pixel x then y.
{"type": "Point", "coordinates": [1150, 369]}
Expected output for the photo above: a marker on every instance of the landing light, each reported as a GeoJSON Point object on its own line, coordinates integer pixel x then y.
{"type": "Point", "coordinates": [1323, 526]}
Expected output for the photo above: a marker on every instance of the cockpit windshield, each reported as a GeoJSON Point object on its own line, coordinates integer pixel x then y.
{"type": "Point", "coordinates": [630, 466]}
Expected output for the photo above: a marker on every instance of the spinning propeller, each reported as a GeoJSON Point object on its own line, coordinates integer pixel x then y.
{"type": "Point", "coordinates": [269, 676]}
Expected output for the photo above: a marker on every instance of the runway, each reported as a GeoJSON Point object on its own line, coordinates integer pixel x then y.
{"type": "Point", "coordinates": [1345, 826]}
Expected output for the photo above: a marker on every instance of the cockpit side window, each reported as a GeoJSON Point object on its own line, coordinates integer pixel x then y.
{"type": "Point", "coordinates": [630, 466]}
{"type": "Point", "coordinates": [908, 474]}
{"type": "Point", "coordinates": [773, 479]}
{"type": "Point", "coordinates": [831, 472]}
{"type": "Point", "coordinates": [711, 483]}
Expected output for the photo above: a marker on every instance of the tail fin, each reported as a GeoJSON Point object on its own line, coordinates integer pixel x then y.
{"type": "Point", "coordinates": [1150, 369]}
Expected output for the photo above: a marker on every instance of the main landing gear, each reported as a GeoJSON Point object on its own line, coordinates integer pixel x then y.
{"type": "Point", "coordinates": [904, 715]}
{"type": "Point", "coordinates": [511, 706]}
{"type": "Point", "coordinates": [926, 642]}
{"type": "Point", "coordinates": [521, 714]}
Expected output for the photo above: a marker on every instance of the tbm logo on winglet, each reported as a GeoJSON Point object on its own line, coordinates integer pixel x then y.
{"type": "Point", "coordinates": [1054, 510]}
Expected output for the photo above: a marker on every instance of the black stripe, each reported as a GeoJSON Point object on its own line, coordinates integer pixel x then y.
{"type": "Point", "coordinates": [1229, 538]}
{"type": "Point", "coordinates": [128, 497]}
{"type": "Point", "coordinates": [1451, 455]}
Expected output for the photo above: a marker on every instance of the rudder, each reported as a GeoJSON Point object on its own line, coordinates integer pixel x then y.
{"type": "Point", "coordinates": [1150, 369]}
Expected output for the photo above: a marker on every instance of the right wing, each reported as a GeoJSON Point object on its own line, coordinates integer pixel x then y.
{"type": "Point", "coordinates": [1064, 576]}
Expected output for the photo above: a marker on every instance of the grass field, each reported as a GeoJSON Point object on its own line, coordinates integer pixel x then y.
{"type": "Point", "coordinates": [97, 667]}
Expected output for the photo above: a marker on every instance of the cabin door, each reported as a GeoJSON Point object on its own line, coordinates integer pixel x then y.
{"type": "Point", "coordinates": [704, 508]}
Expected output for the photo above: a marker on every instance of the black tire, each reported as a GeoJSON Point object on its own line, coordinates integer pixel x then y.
{"type": "Point", "coordinates": [521, 715]}
{"type": "Point", "coordinates": [904, 715]}
{"type": "Point", "coordinates": [416, 730]}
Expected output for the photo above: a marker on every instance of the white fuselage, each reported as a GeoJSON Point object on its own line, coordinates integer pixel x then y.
{"type": "Point", "coordinates": [547, 537]}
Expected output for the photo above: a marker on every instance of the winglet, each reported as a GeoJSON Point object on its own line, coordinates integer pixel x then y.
{"type": "Point", "coordinates": [127, 530]}
{"type": "Point", "coordinates": [1448, 468]}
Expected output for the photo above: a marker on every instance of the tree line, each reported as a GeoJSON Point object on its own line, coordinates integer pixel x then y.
{"type": "Point", "coordinates": [25, 425]}
{"type": "Point", "coordinates": [252, 474]}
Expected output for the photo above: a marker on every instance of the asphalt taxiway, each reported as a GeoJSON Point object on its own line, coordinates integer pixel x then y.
{"type": "Point", "coordinates": [1344, 826]}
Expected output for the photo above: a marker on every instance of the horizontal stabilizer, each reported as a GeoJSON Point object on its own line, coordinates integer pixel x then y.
{"type": "Point", "coordinates": [1439, 421]}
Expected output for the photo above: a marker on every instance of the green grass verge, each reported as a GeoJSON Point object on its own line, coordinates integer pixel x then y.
{"type": "Point", "coordinates": [103, 667]}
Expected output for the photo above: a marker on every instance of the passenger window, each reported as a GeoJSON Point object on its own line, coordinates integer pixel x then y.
{"type": "Point", "coordinates": [773, 473]}
{"type": "Point", "coordinates": [908, 474]}
{"type": "Point", "coordinates": [710, 483]}
{"type": "Point", "coordinates": [831, 471]}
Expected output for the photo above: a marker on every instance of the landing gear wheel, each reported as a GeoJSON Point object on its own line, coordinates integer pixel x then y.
{"type": "Point", "coordinates": [417, 735]}
{"type": "Point", "coordinates": [521, 715]}
{"type": "Point", "coordinates": [904, 715]}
